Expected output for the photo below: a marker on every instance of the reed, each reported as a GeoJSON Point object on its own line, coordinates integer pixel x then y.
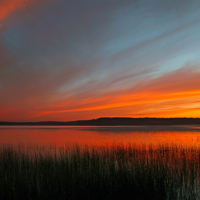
{"type": "Point", "coordinates": [104, 172]}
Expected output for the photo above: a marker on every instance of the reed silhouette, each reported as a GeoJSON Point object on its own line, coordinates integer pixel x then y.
{"type": "Point", "coordinates": [105, 172]}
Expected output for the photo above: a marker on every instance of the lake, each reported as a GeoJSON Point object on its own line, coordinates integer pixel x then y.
{"type": "Point", "coordinates": [162, 162]}
{"type": "Point", "coordinates": [186, 136]}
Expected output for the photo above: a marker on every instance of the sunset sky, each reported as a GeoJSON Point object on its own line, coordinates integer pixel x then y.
{"type": "Point", "coordinates": [83, 59]}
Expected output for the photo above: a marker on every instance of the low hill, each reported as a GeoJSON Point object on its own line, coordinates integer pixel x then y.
{"type": "Point", "coordinates": [117, 121]}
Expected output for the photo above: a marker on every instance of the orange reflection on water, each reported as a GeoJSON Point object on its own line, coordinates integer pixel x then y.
{"type": "Point", "coordinates": [60, 136]}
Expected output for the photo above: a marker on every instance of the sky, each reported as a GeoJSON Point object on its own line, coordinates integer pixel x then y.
{"type": "Point", "coordinates": [72, 59]}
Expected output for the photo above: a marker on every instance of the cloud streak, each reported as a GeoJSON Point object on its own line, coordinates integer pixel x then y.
{"type": "Point", "coordinates": [175, 94]}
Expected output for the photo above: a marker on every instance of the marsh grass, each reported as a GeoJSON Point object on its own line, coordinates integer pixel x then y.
{"type": "Point", "coordinates": [100, 172]}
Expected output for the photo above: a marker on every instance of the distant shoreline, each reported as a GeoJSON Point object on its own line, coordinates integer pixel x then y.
{"type": "Point", "coordinates": [117, 121]}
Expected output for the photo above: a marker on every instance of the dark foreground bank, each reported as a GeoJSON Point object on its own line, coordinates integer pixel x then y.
{"type": "Point", "coordinates": [117, 172]}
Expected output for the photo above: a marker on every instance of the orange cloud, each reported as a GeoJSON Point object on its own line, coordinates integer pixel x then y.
{"type": "Point", "coordinates": [8, 7]}
{"type": "Point", "coordinates": [173, 95]}
{"type": "Point", "coordinates": [153, 104]}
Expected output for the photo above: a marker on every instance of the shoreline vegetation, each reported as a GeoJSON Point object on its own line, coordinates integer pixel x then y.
{"type": "Point", "coordinates": [167, 172]}
{"type": "Point", "coordinates": [116, 121]}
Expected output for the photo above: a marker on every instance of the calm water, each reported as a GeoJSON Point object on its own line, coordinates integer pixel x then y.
{"type": "Point", "coordinates": [185, 136]}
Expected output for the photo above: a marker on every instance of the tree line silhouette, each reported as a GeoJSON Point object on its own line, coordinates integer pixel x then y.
{"type": "Point", "coordinates": [116, 121]}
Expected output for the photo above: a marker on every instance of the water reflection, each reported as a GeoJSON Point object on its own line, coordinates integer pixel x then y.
{"type": "Point", "coordinates": [186, 136]}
